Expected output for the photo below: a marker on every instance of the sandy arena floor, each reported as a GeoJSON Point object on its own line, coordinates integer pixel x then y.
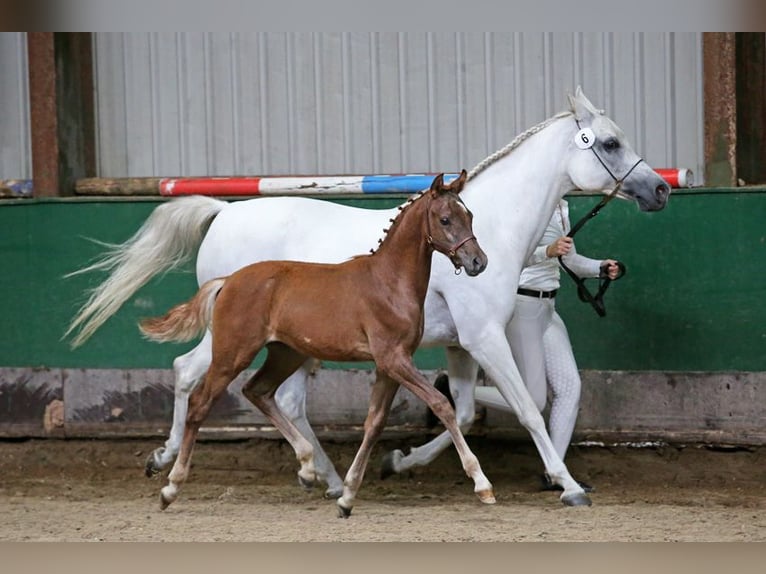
{"type": "Point", "coordinates": [72, 490]}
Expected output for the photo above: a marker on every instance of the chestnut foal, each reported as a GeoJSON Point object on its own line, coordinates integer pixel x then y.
{"type": "Point", "coordinates": [367, 308]}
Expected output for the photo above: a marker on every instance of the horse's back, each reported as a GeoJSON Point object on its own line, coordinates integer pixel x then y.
{"type": "Point", "coordinates": [287, 228]}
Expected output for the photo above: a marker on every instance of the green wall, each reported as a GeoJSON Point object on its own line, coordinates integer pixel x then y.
{"type": "Point", "coordinates": [693, 299]}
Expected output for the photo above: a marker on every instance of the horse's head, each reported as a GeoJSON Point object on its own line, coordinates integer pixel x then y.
{"type": "Point", "coordinates": [603, 158]}
{"type": "Point", "coordinates": [450, 226]}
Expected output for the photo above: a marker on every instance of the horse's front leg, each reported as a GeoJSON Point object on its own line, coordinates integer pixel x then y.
{"type": "Point", "coordinates": [382, 395]}
{"type": "Point", "coordinates": [491, 349]}
{"type": "Point", "coordinates": [188, 371]}
{"type": "Point", "coordinates": [462, 371]}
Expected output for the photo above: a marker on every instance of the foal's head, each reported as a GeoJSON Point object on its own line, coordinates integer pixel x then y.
{"type": "Point", "coordinates": [450, 228]}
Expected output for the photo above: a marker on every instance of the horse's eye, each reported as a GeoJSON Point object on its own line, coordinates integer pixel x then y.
{"type": "Point", "coordinates": [611, 144]}
{"type": "Point", "coordinates": [444, 221]}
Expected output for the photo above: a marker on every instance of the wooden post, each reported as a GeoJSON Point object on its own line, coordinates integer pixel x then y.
{"type": "Point", "coordinates": [751, 112]}
{"type": "Point", "coordinates": [720, 123]}
{"type": "Point", "coordinates": [61, 110]}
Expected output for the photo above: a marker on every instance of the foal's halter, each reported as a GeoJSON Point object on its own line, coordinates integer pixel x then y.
{"type": "Point", "coordinates": [450, 251]}
{"type": "Point", "coordinates": [597, 300]}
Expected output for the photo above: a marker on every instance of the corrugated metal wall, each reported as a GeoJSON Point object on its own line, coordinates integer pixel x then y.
{"type": "Point", "coordinates": [357, 102]}
{"type": "Point", "coordinates": [15, 152]}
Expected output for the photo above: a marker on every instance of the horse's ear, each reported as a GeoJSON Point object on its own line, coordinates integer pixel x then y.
{"type": "Point", "coordinates": [457, 185]}
{"type": "Point", "coordinates": [581, 106]}
{"type": "Point", "coordinates": [437, 185]}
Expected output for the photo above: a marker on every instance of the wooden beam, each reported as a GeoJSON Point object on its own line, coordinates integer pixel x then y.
{"type": "Point", "coordinates": [720, 123]}
{"type": "Point", "coordinates": [61, 110]}
{"type": "Point", "coordinates": [751, 112]}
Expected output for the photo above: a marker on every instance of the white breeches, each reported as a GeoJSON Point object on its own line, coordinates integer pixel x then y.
{"type": "Point", "coordinates": [542, 351]}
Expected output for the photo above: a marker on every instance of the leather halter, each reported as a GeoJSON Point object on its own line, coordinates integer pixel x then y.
{"type": "Point", "coordinates": [585, 296]}
{"type": "Point", "coordinates": [450, 251]}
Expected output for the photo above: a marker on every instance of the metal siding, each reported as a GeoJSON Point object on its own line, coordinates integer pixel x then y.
{"type": "Point", "coordinates": [288, 103]}
{"type": "Point", "coordinates": [15, 148]}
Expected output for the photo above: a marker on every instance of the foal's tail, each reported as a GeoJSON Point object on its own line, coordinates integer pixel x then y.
{"type": "Point", "coordinates": [186, 321]}
{"type": "Point", "coordinates": [171, 235]}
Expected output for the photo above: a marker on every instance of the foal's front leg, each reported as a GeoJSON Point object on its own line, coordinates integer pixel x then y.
{"type": "Point", "coordinates": [405, 373]}
{"type": "Point", "coordinates": [462, 371]}
{"type": "Point", "coordinates": [381, 397]}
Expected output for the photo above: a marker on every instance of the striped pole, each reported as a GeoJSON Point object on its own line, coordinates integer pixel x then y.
{"type": "Point", "coordinates": [335, 184]}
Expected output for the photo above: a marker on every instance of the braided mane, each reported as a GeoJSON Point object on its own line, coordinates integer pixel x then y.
{"type": "Point", "coordinates": [517, 141]}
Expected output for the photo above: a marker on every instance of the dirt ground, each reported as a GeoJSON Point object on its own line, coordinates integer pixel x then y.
{"type": "Point", "coordinates": [94, 490]}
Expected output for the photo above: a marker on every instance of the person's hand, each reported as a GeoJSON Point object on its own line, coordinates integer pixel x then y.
{"type": "Point", "coordinates": [560, 247]}
{"type": "Point", "coordinates": [610, 269]}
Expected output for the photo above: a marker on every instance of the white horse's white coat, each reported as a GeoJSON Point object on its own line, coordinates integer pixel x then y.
{"type": "Point", "coordinates": [512, 195]}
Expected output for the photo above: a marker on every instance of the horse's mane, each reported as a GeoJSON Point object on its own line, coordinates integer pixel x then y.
{"type": "Point", "coordinates": [395, 220]}
{"type": "Point", "coordinates": [481, 166]}
{"type": "Point", "coordinates": [517, 141]}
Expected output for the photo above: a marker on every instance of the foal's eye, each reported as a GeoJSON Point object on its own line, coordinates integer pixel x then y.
{"type": "Point", "coordinates": [611, 144]}
{"type": "Point", "coordinates": [444, 221]}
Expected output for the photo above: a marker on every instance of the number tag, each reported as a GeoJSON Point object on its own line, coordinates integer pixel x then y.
{"type": "Point", "coordinates": [585, 138]}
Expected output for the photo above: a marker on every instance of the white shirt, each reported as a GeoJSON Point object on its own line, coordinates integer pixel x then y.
{"type": "Point", "coordinates": [542, 272]}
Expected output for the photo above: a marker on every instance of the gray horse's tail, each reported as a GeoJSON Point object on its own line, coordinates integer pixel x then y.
{"type": "Point", "coordinates": [167, 239]}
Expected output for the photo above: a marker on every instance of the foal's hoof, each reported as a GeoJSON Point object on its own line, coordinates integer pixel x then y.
{"type": "Point", "coordinates": [343, 512]}
{"type": "Point", "coordinates": [389, 463]}
{"type": "Point", "coordinates": [164, 502]}
{"type": "Point", "coordinates": [576, 499]}
{"type": "Point", "coordinates": [486, 496]}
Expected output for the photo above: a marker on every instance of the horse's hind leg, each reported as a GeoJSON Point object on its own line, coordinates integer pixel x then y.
{"type": "Point", "coordinates": [280, 363]}
{"type": "Point", "coordinates": [381, 397]}
{"type": "Point", "coordinates": [291, 398]}
{"type": "Point", "coordinates": [188, 371]}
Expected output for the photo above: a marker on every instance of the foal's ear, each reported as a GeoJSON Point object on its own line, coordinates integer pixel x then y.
{"type": "Point", "coordinates": [437, 185]}
{"type": "Point", "coordinates": [457, 185]}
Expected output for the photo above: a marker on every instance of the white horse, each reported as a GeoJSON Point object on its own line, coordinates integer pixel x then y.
{"type": "Point", "coordinates": [512, 194]}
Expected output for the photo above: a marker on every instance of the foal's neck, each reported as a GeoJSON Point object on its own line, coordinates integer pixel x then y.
{"type": "Point", "coordinates": [404, 255]}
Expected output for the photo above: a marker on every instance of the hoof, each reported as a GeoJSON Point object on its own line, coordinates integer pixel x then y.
{"type": "Point", "coordinates": [164, 502]}
{"type": "Point", "coordinates": [486, 496]}
{"type": "Point", "coordinates": [333, 493]}
{"type": "Point", "coordinates": [388, 464]}
{"type": "Point", "coordinates": [549, 485]}
{"type": "Point", "coordinates": [343, 512]}
{"type": "Point", "coordinates": [577, 499]}
{"type": "Point", "coordinates": [305, 483]}
{"type": "Point", "coordinates": [150, 468]}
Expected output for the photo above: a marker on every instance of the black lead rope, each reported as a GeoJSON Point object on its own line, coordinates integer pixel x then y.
{"type": "Point", "coordinates": [597, 300]}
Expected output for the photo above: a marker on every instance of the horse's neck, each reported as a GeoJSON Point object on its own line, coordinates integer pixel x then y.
{"type": "Point", "coordinates": [404, 256]}
{"type": "Point", "coordinates": [516, 195]}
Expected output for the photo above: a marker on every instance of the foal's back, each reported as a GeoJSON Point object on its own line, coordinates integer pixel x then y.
{"type": "Point", "coordinates": [324, 311]}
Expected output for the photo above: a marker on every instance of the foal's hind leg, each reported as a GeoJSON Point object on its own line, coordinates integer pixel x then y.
{"type": "Point", "coordinates": [403, 371]}
{"type": "Point", "coordinates": [280, 363]}
{"type": "Point", "coordinates": [188, 370]}
{"type": "Point", "coordinates": [381, 397]}
{"type": "Point", "coordinates": [201, 400]}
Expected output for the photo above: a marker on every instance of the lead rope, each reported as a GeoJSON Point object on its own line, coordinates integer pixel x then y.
{"type": "Point", "coordinates": [597, 300]}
